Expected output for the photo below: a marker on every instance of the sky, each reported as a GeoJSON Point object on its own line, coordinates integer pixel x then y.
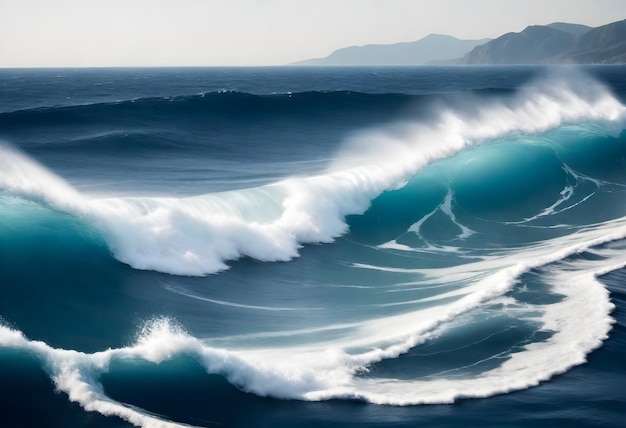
{"type": "Point", "coordinates": [96, 33]}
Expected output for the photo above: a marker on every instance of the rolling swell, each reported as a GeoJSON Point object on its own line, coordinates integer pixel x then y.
{"type": "Point", "coordinates": [227, 105]}
{"type": "Point", "coordinates": [165, 124]}
{"type": "Point", "coordinates": [207, 124]}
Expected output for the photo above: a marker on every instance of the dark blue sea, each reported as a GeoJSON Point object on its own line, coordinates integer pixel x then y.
{"type": "Point", "coordinates": [313, 247]}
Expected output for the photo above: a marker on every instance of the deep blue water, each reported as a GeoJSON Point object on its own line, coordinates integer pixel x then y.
{"type": "Point", "coordinates": [278, 247]}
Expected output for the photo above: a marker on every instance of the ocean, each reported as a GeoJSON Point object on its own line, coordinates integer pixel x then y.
{"type": "Point", "coordinates": [313, 247]}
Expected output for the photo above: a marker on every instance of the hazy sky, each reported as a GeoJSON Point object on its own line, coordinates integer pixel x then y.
{"type": "Point", "coordinates": [256, 32]}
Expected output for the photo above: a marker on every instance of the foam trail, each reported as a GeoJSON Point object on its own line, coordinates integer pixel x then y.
{"type": "Point", "coordinates": [566, 194]}
{"type": "Point", "coordinates": [446, 208]}
{"type": "Point", "coordinates": [181, 291]}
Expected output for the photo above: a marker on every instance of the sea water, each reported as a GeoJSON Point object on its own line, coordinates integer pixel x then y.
{"type": "Point", "coordinates": [299, 246]}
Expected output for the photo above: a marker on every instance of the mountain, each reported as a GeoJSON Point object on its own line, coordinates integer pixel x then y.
{"type": "Point", "coordinates": [434, 47]}
{"type": "Point", "coordinates": [574, 29]}
{"type": "Point", "coordinates": [557, 43]}
{"type": "Point", "coordinates": [531, 46]}
{"type": "Point", "coordinates": [605, 44]}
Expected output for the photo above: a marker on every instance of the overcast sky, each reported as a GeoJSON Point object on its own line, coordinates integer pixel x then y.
{"type": "Point", "coordinates": [46, 33]}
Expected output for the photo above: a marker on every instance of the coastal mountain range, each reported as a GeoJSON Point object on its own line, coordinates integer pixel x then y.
{"type": "Point", "coordinates": [434, 47]}
{"type": "Point", "coordinates": [556, 43]}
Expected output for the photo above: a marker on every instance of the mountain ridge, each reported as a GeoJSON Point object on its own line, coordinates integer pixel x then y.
{"type": "Point", "coordinates": [432, 47]}
{"type": "Point", "coordinates": [555, 43]}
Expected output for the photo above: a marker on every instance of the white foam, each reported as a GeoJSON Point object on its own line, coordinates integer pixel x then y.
{"type": "Point", "coordinates": [74, 373]}
{"type": "Point", "coordinates": [22, 175]}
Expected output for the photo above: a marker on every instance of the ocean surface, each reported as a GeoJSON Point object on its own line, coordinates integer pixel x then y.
{"type": "Point", "coordinates": [313, 247]}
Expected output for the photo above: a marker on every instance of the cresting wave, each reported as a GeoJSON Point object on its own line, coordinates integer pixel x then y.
{"type": "Point", "coordinates": [198, 235]}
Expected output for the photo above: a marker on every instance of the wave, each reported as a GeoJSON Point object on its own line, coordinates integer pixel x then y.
{"type": "Point", "coordinates": [224, 104]}
{"type": "Point", "coordinates": [237, 102]}
{"type": "Point", "coordinates": [210, 122]}
{"type": "Point", "coordinates": [338, 368]}
{"type": "Point", "coordinates": [192, 122]}
{"type": "Point", "coordinates": [199, 235]}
